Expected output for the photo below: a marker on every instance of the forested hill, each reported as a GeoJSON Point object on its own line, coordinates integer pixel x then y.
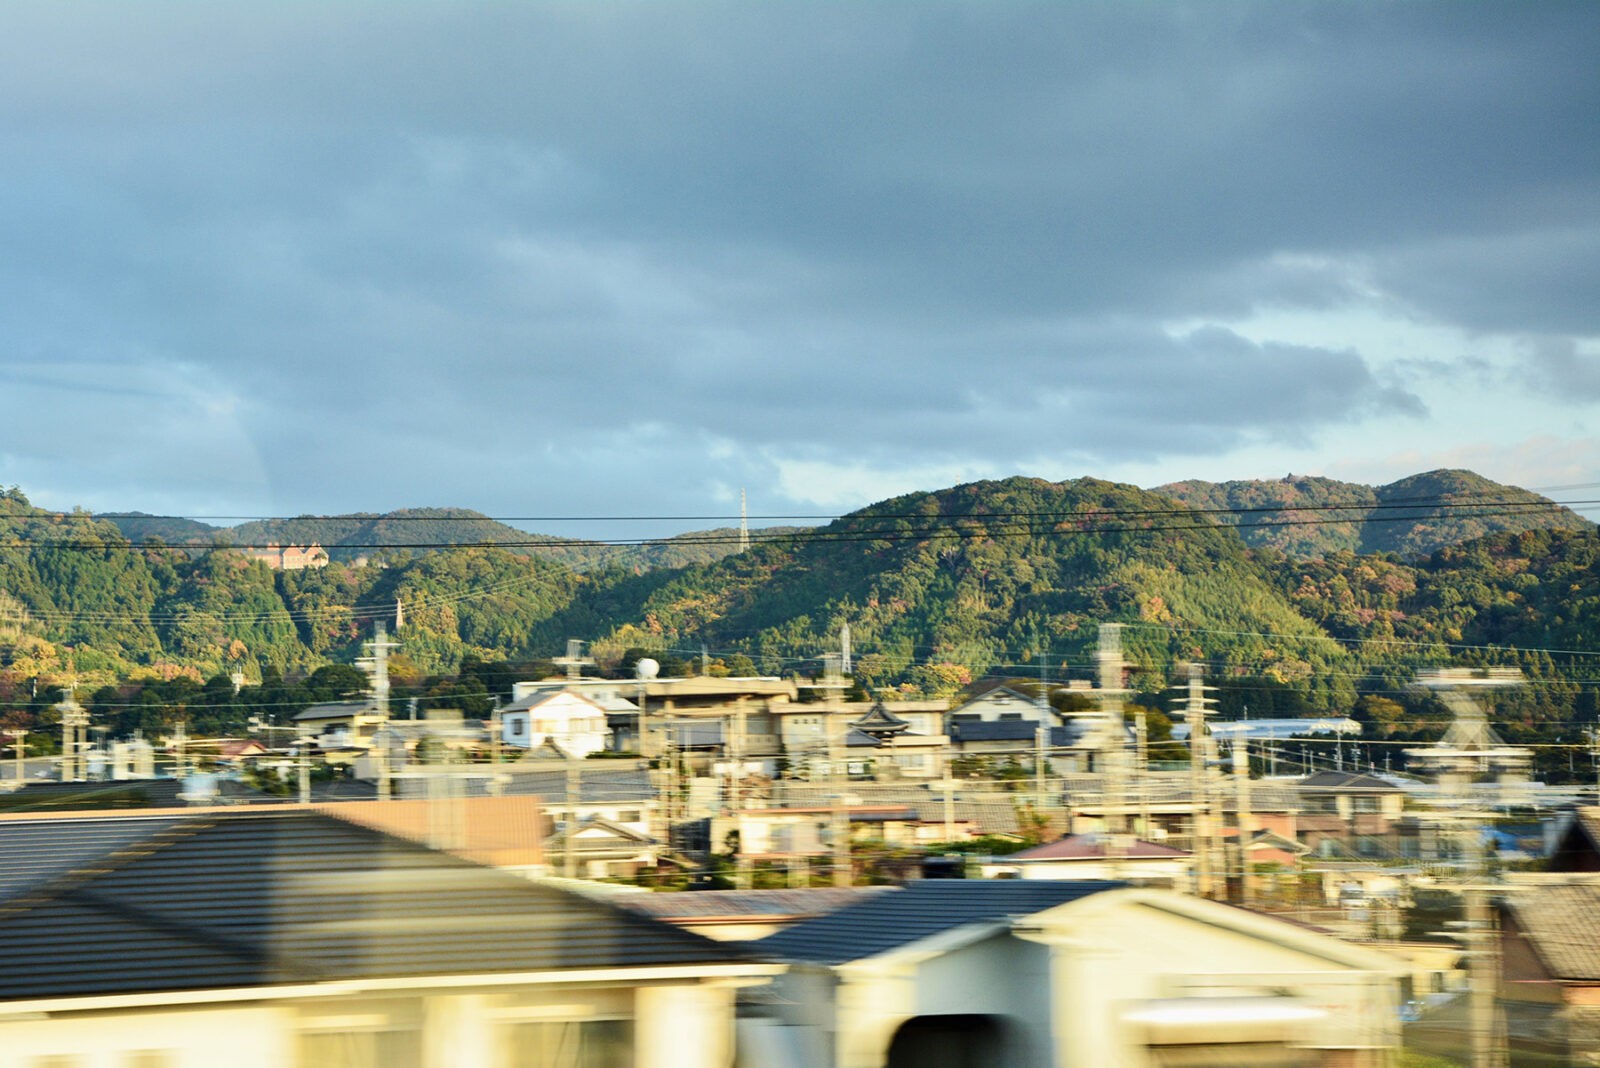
{"type": "Point", "coordinates": [402, 534]}
{"type": "Point", "coordinates": [1308, 516]}
{"type": "Point", "coordinates": [940, 586]}
{"type": "Point", "coordinates": [937, 588]}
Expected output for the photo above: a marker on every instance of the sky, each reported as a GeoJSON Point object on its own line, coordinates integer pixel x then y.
{"type": "Point", "coordinates": [625, 259]}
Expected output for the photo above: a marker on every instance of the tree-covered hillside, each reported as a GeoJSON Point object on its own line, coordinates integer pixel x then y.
{"type": "Point", "coordinates": [944, 586]}
{"type": "Point", "coordinates": [403, 534]}
{"type": "Point", "coordinates": [1307, 516]}
{"type": "Point", "coordinates": [938, 589]}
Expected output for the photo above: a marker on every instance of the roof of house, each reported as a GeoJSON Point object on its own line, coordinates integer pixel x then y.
{"type": "Point", "coordinates": [711, 905]}
{"type": "Point", "coordinates": [1091, 847]}
{"type": "Point", "coordinates": [34, 851]}
{"type": "Point", "coordinates": [888, 921]}
{"type": "Point", "coordinates": [1010, 730]}
{"type": "Point", "coordinates": [540, 697]}
{"type": "Point", "coordinates": [226, 901]}
{"type": "Point", "coordinates": [599, 782]}
{"type": "Point", "coordinates": [236, 747]}
{"type": "Point", "coordinates": [1561, 922]}
{"type": "Point", "coordinates": [336, 710]}
{"type": "Point", "coordinates": [1578, 847]}
{"type": "Point", "coordinates": [998, 693]}
{"type": "Point", "coordinates": [598, 835]}
{"type": "Point", "coordinates": [1347, 780]}
{"type": "Point", "coordinates": [878, 720]}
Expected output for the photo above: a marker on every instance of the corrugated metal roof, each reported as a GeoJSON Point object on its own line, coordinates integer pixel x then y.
{"type": "Point", "coordinates": [887, 921]}
{"type": "Point", "coordinates": [262, 898]}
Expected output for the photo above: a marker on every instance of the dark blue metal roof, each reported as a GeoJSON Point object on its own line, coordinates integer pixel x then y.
{"type": "Point", "coordinates": [887, 921]}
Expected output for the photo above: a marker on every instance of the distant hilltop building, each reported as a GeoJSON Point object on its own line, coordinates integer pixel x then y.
{"type": "Point", "coordinates": [290, 557]}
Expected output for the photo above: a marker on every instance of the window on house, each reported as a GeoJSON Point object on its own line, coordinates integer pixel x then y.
{"type": "Point", "coordinates": [569, 1044]}
{"type": "Point", "coordinates": [360, 1049]}
{"type": "Point", "coordinates": [517, 726]}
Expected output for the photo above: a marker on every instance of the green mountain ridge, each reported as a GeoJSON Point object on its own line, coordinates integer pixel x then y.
{"type": "Point", "coordinates": [408, 531]}
{"type": "Point", "coordinates": [938, 589]}
{"type": "Point", "coordinates": [1309, 516]}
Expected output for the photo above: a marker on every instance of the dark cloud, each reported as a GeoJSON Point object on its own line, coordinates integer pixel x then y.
{"type": "Point", "coordinates": [1567, 372]}
{"type": "Point", "coordinates": [583, 251]}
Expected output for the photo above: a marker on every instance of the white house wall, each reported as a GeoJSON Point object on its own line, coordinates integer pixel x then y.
{"type": "Point", "coordinates": [188, 1038]}
{"type": "Point", "coordinates": [676, 1024]}
{"type": "Point", "coordinates": [1114, 954]}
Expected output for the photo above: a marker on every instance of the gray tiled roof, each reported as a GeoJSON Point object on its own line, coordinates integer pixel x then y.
{"type": "Point", "coordinates": [32, 852]}
{"type": "Point", "coordinates": [333, 710]}
{"type": "Point", "coordinates": [887, 921]}
{"type": "Point", "coordinates": [1347, 780]}
{"type": "Point", "coordinates": [261, 898]}
{"type": "Point", "coordinates": [1562, 924]}
{"type": "Point", "coordinates": [1022, 731]}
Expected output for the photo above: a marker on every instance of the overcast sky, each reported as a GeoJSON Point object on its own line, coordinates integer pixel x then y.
{"type": "Point", "coordinates": [624, 259]}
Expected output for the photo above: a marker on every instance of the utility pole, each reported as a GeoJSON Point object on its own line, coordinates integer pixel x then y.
{"type": "Point", "coordinates": [1470, 750]}
{"type": "Point", "coordinates": [948, 785]}
{"type": "Point", "coordinates": [839, 775]}
{"type": "Point", "coordinates": [1112, 742]}
{"type": "Point", "coordinates": [1241, 781]}
{"type": "Point", "coordinates": [17, 734]}
{"type": "Point", "coordinates": [180, 750]}
{"type": "Point", "coordinates": [380, 744]}
{"type": "Point", "coordinates": [569, 855]}
{"type": "Point", "coordinates": [494, 734]}
{"type": "Point", "coordinates": [376, 665]}
{"type": "Point", "coordinates": [1484, 979]}
{"type": "Point", "coordinates": [1202, 757]}
{"type": "Point", "coordinates": [303, 760]}
{"type": "Point", "coordinates": [1041, 736]}
{"type": "Point", "coordinates": [74, 737]}
{"type": "Point", "coordinates": [834, 729]}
